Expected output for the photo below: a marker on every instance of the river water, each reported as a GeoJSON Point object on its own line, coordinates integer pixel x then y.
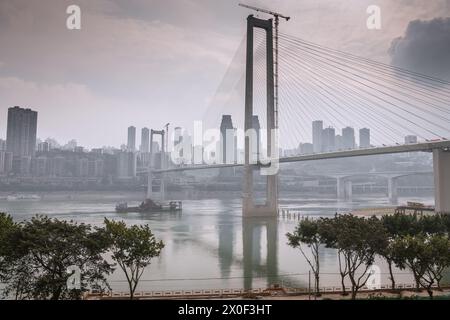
{"type": "Point", "coordinates": [209, 245]}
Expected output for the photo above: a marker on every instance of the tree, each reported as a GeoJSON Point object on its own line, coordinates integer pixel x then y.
{"type": "Point", "coordinates": [308, 232]}
{"type": "Point", "coordinates": [45, 249]}
{"type": "Point", "coordinates": [387, 253]}
{"type": "Point", "coordinates": [401, 225]}
{"type": "Point", "coordinates": [132, 248]}
{"type": "Point", "coordinates": [7, 227]}
{"type": "Point", "coordinates": [358, 240]}
{"type": "Point", "coordinates": [426, 256]}
{"type": "Point", "coordinates": [329, 232]}
{"type": "Point", "coordinates": [439, 247]}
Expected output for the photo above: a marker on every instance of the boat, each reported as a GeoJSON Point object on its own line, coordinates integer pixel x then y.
{"type": "Point", "coordinates": [149, 206]}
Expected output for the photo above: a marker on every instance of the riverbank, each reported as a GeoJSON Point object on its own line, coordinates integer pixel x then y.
{"type": "Point", "coordinates": [280, 294]}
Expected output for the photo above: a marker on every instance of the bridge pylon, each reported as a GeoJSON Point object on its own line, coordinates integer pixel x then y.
{"type": "Point", "coordinates": [270, 208]}
{"type": "Point", "coordinates": [441, 164]}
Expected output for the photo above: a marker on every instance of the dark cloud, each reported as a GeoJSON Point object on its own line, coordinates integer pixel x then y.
{"type": "Point", "coordinates": [425, 48]}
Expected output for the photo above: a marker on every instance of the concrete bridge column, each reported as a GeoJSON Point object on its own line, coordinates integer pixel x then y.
{"type": "Point", "coordinates": [344, 189]}
{"type": "Point", "coordinates": [441, 164]}
{"type": "Point", "coordinates": [392, 190]}
{"type": "Point", "coordinates": [348, 190]}
{"type": "Point", "coordinates": [340, 190]}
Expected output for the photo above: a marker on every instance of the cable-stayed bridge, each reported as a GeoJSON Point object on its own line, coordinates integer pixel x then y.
{"type": "Point", "coordinates": [342, 90]}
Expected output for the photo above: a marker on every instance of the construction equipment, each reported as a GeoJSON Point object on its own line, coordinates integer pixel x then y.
{"type": "Point", "coordinates": [277, 17]}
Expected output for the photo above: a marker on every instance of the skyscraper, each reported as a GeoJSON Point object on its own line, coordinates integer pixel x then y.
{"type": "Point", "coordinates": [329, 139]}
{"type": "Point", "coordinates": [227, 140]}
{"type": "Point", "coordinates": [2, 145]}
{"type": "Point", "coordinates": [145, 140]}
{"type": "Point", "coordinates": [348, 138]}
{"type": "Point", "coordinates": [317, 130]}
{"type": "Point", "coordinates": [339, 145]}
{"type": "Point", "coordinates": [364, 138]}
{"type": "Point", "coordinates": [178, 136]}
{"type": "Point", "coordinates": [131, 146]}
{"type": "Point", "coordinates": [21, 132]}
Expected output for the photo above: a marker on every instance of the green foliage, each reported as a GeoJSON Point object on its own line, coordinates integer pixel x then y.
{"type": "Point", "coordinates": [308, 232]}
{"type": "Point", "coordinates": [7, 228]}
{"type": "Point", "coordinates": [42, 250]}
{"type": "Point", "coordinates": [426, 256]}
{"type": "Point", "coordinates": [132, 248]}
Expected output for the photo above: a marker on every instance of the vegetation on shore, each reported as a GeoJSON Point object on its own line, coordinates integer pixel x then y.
{"type": "Point", "coordinates": [50, 259]}
{"type": "Point", "coordinates": [419, 244]}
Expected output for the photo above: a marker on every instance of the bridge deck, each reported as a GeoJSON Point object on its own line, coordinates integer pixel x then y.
{"type": "Point", "coordinates": [420, 147]}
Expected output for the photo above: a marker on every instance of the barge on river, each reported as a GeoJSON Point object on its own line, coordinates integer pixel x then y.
{"type": "Point", "coordinates": [149, 206]}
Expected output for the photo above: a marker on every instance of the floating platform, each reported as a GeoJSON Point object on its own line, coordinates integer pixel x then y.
{"type": "Point", "coordinates": [150, 206]}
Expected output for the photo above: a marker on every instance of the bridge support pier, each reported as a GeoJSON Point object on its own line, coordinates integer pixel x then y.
{"type": "Point", "coordinates": [344, 189]}
{"type": "Point", "coordinates": [392, 190]}
{"type": "Point", "coordinates": [249, 209]}
{"type": "Point", "coordinates": [252, 232]}
{"type": "Point", "coordinates": [441, 164]}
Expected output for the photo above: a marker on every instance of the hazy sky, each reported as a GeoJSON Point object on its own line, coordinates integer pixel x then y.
{"type": "Point", "coordinates": [149, 62]}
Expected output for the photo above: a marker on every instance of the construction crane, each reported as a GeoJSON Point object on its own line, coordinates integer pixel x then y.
{"type": "Point", "coordinates": [277, 17]}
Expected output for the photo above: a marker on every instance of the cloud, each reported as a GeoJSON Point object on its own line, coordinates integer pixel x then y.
{"type": "Point", "coordinates": [63, 109]}
{"type": "Point", "coordinates": [425, 48]}
{"type": "Point", "coordinates": [140, 62]}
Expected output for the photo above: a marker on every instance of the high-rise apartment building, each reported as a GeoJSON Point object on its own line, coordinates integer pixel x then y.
{"type": "Point", "coordinates": [21, 132]}
{"type": "Point", "coordinates": [364, 138]}
{"type": "Point", "coordinates": [145, 140]}
{"type": "Point", "coordinates": [348, 138]}
{"type": "Point", "coordinates": [227, 140]}
{"type": "Point", "coordinates": [317, 131]}
{"type": "Point", "coordinates": [131, 145]}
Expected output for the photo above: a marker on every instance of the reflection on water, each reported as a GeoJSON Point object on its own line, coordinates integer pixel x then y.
{"type": "Point", "coordinates": [209, 245]}
{"type": "Point", "coordinates": [253, 242]}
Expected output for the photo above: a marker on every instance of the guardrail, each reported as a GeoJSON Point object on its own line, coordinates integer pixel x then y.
{"type": "Point", "coordinates": [209, 293]}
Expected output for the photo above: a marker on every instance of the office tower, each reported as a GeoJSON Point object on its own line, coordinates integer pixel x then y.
{"type": "Point", "coordinates": [2, 145]}
{"type": "Point", "coordinates": [410, 139]}
{"type": "Point", "coordinates": [317, 130]}
{"type": "Point", "coordinates": [306, 148]}
{"type": "Point", "coordinates": [364, 138]}
{"type": "Point", "coordinates": [339, 143]}
{"type": "Point", "coordinates": [348, 138]}
{"type": "Point", "coordinates": [329, 139]}
{"type": "Point", "coordinates": [145, 140]}
{"type": "Point", "coordinates": [131, 145]}
{"type": "Point", "coordinates": [226, 140]}
{"type": "Point", "coordinates": [21, 132]}
{"type": "Point", "coordinates": [178, 136]}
